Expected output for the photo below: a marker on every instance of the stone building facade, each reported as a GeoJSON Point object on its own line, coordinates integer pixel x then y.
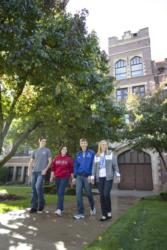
{"type": "Point", "coordinates": [135, 73]}
{"type": "Point", "coordinates": [131, 64]}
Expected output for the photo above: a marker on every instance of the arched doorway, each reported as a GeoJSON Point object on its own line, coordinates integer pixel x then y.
{"type": "Point", "coordinates": [136, 171]}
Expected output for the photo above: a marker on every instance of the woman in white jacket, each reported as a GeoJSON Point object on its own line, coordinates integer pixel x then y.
{"type": "Point", "coordinates": [104, 168]}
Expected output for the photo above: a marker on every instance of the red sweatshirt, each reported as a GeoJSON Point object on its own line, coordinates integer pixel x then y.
{"type": "Point", "coordinates": [62, 166]}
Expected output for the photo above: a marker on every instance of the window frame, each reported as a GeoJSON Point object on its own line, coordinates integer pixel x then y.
{"type": "Point", "coordinates": [122, 95]}
{"type": "Point", "coordinates": [138, 88]}
{"type": "Point", "coordinates": [136, 66]}
{"type": "Point", "coordinates": [120, 69]}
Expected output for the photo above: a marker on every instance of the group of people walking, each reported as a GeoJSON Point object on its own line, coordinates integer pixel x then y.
{"type": "Point", "coordinates": [86, 169]}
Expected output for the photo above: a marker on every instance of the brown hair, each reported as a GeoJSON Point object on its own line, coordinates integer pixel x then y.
{"type": "Point", "coordinates": [42, 138]}
{"type": "Point", "coordinates": [83, 140]}
{"type": "Point", "coordinates": [61, 147]}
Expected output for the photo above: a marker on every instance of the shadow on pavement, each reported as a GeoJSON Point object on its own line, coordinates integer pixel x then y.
{"type": "Point", "coordinates": [20, 230]}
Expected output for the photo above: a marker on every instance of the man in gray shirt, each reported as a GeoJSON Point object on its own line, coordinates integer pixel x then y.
{"type": "Point", "coordinates": [38, 166]}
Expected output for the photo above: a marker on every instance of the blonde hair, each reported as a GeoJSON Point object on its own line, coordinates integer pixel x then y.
{"type": "Point", "coordinates": [99, 151]}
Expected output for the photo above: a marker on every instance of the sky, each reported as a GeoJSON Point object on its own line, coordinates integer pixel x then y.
{"type": "Point", "coordinates": [113, 17]}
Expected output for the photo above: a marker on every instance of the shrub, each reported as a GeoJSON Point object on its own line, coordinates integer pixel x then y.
{"type": "Point", "coordinates": [70, 191]}
{"type": "Point", "coordinates": [163, 196]}
{"type": "Point", "coordinates": [50, 189]}
{"type": "Point", "coordinates": [3, 174]}
{"type": "Point", "coordinates": [4, 196]}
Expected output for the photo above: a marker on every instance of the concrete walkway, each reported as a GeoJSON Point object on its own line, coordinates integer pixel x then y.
{"type": "Point", "coordinates": [44, 231]}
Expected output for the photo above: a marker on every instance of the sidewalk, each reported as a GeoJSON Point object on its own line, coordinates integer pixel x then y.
{"type": "Point", "coordinates": [21, 231]}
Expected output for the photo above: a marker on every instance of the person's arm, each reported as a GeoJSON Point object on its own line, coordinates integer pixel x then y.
{"type": "Point", "coordinates": [71, 165]}
{"type": "Point", "coordinates": [30, 164]}
{"type": "Point", "coordinates": [75, 170]}
{"type": "Point", "coordinates": [47, 167]}
{"type": "Point", "coordinates": [94, 170]}
{"type": "Point", "coordinates": [115, 166]}
{"type": "Point", "coordinates": [116, 169]}
{"type": "Point", "coordinates": [52, 175]}
{"type": "Point", "coordinates": [90, 178]}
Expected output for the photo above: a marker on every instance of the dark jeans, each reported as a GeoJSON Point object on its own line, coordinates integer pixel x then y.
{"type": "Point", "coordinates": [37, 200]}
{"type": "Point", "coordinates": [105, 197]}
{"type": "Point", "coordinates": [82, 183]}
{"type": "Point", "coordinates": [61, 184]}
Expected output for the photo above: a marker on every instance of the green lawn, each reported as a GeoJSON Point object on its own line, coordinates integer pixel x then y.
{"type": "Point", "coordinates": [142, 227]}
{"type": "Point", "coordinates": [6, 206]}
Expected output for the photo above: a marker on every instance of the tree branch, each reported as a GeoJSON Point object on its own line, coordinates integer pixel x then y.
{"type": "Point", "coordinates": [12, 111]}
{"type": "Point", "coordinates": [21, 138]}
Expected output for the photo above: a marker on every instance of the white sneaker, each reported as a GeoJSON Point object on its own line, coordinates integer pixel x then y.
{"type": "Point", "coordinates": [109, 215]}
{"type": "Point", "coordinates": [93, 212]}
{"type": "Point", "coordinates": [58, 212]}
{"type": "Point", "coordinates": [79, 216]}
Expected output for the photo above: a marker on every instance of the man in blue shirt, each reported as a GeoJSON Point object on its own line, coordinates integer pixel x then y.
{"type": "Point", "coordinates": [82, 172]}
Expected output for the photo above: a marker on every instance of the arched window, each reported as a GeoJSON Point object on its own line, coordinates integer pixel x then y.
{"type": "Point", "coordinates": [120, 69]}
{"type": "Point", "coordinates": [136, 65]}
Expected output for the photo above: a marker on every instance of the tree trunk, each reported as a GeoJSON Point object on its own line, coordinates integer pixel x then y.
{"type": "Point", "coordinates": [11, 116]}
{"type": "Point", "coordinates": [18, 142]}
{"type": "Point", "coordinates": [163, 160]}
{"type": "Point", "coordinates": [1, 119]}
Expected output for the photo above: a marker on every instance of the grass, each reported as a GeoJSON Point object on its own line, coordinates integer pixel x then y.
{"type": "Point", "coordinates": [9, 205]}
{"type": "Point", "coordinates": [142, 227]}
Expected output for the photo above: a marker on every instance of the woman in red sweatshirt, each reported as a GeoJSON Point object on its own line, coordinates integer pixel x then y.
{"type": "Point", "coordinates": [62, 169]}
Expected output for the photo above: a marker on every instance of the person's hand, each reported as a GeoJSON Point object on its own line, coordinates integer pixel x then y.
{"type": "Point", "coordinates": [52, 178]}
{"type": "Point", "coordinates": [29, 173]}
{"type": "Point", "coordinates": [44, 171]}
{"type": "Point", "coordinates": [89, 179]}
{"type": "Point", "coordinates": [73, 181]}
{"type": "Point", "coordinates": [118, 179]}
{"type": "Point", "coordinates": [92, 179]}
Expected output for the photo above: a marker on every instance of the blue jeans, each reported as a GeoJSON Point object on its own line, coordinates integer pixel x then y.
{"type": "Point", "coordinates": [82, 183]}
{"type": "Point", "coordinates": [61, 184]}
{"type": "Point", "coordinates": [105, 196]}
{"type": "Point", "coordinates": [37, 200]}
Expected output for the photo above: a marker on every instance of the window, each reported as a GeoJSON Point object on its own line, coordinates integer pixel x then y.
{"type": "Point", "coordinates": [134, 34]}
{"type": "Point", "coordinates": [127, 118]}
{"type": "Point", "coordinates": [18, 173]}
{"type": "Point", "coordinates": [136, 66]}
{"type": "Point", "coordinates": [139, 90]}
{"type": "Point", "coordinates": [120, 69]}
{"type": "Point", "coordinates": [122, 94]}
{"type": "Point", "coordinates": [25, 177]}
{"type": "Point", "coordinates": [10, 173]}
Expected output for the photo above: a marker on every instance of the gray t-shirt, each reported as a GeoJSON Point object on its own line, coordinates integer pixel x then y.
{"type": "Point", "coordinates": [40, 156]}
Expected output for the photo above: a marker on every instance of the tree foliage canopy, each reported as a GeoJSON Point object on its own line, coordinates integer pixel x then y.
{"type": "Point", "coordinates": [54, 78]}
{"type": "Point", "coordinates": [149, 129]}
